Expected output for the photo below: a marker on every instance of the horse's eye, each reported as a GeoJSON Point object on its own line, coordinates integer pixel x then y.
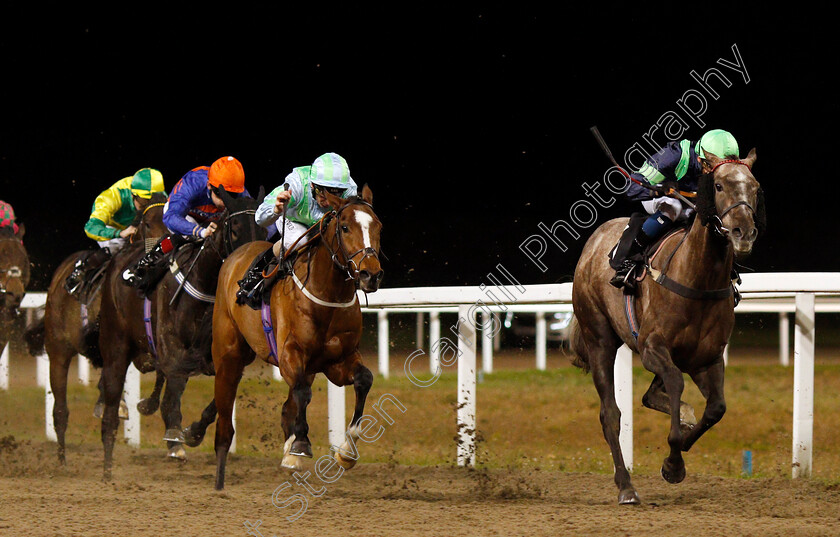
{"type": "Point", "coordinates": [345, 229]}
{"type": "Point", "coordinates": [719, 187]}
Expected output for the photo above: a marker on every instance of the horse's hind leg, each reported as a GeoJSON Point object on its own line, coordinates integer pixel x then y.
{"type": "Point", "coordinates": [351, 372]}
{"type": "Point", "coordinates": [602, 365]}
{"type": "Point", "coordinates": [59, 366]}
{"type": "Point", "coordinates": [656, 358]}
{"type": "Point", "coordinates": [194, 434]}
{"type": "Point", "coordinates": [149, 405]}
{"type": "Point", "coordinates": [657, 399]}
{"type": "Point", "coordinates": [710, 383]}
{"type": "Point", "coordinates": [170, 411]}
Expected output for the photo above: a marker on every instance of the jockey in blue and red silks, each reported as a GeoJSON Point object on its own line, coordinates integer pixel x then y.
{"type": "Point", "coordinates": [678, 165]}
{"type": "Point", "coordinates": [193, 210]}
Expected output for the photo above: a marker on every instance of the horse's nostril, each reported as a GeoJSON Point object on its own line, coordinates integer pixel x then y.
{"type": "Point", "coordinates": [737, 232]}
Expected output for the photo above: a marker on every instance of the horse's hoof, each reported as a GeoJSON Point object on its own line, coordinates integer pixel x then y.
{"type": "Point", "coordinates": [292, 462]}
{"type": "Point", "coordinates": [99, 410]}
{"type": "Point", "coordinates": [673, 475]}
{"type": "Point", "coordinates": [628, 497]}
{"type": "Point", "coordinates": [687, 417]}
{"type": "Point", "coordinates": [174, 435]}
{"type": "Point", "coordinates": [177, 452]}
{"type": "Point", "coordinates": [191, 439]}
{"type": "Point", "coordinates": [148, 406]}
{"type": "Point", "coordinates": [123, 412]}
{"type": "Point", "coordinates": [301, 448]}
{"type": "Point", "coordinates": [345, 462]}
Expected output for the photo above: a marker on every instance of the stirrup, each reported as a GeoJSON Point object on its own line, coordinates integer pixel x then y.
{"type": "Point", "coordinates": [625, 276]}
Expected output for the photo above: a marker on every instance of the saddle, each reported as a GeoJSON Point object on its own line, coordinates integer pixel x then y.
{"type": "Point", "coordinates": [262, 274]}
{"type": "Point", "coordinates": [660, 277]}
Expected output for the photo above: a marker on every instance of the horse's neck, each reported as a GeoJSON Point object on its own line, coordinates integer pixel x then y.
{"type": "Point", "coordinates": [704, 260]}
{"type": "Point", "coordinates": [322, 277]}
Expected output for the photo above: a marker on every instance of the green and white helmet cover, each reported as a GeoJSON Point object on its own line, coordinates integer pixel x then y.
{"type": "Point", "coordinates": [718, 142]}
{"type": "Point", "coordinates": [330, 170]}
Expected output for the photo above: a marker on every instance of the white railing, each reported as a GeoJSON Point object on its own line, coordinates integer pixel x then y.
{"type": "Point", "coordinates": [803, 294]}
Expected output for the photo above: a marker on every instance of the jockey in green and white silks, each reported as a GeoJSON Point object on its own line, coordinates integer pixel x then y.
{"type": "Point", "coordinates": [304, 203]}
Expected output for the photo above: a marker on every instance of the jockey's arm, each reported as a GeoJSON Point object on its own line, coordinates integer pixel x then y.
{"type": "Point", "coordinates": [180, 203]}
{"type": "Point", "coordinates": [104, 207]}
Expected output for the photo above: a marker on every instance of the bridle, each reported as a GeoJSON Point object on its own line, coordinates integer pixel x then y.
{"type": "Point", "coordinates": [716, 221]}
{"type": "Point", "coordinates": [350, 266]}
{"type": "Point", "coordinates": [228, 229]}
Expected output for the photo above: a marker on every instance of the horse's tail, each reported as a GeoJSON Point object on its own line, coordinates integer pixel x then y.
{"type": "Point", "coordinates": [34, 337]}
{"type": "Point", "coordinates": [576, 345]}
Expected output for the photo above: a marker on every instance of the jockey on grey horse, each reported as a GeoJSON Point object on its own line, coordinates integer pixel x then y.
{"type": "Point", "coordinates": [676, 166]}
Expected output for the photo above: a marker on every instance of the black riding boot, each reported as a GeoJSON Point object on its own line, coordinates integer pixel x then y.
{"type": "Point", "coordinates": [148, 268]}
{"type": "Point", "coordinates": [628, 256]}
{"type": "Point", "coordinates": [251, 286]}
{"type": "Point", "coordinates": [85, 266]}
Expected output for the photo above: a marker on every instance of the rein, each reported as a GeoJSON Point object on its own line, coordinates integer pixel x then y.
{"type": "Point", "coordinates": [349, 267]}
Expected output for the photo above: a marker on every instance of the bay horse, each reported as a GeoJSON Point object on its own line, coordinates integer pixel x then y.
{"type": "Point", "coordinates": [684, 318]}
{"type": "Point", "coordinates": [69, 326]}
{"type": "Point", "coordinates": [181, 314]}
{"type": "Point", "coordinates": [317, 325]}
{"type": "Point", "coordinates": [14, 278]}
{"type": "Point", "coordinates": [175, 343]}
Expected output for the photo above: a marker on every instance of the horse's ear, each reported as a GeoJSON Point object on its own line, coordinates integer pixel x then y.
{"type": "Point", "coordinates": [21, 230]}
{"type": "Point", "coordinates": [367, 195]}
{"type": "Point", "coordinates": [750, 160]}
{"type": "Point", "coordinates": [710, 160]}
{"type": "Point", "coordinates": [261, 194]}
{"type": "Point", "coordinates": [223, 194]}
{"type": "Point", "coordinates": [334, 201]}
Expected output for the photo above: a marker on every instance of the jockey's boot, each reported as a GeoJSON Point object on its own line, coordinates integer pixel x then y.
{"type": "Point", "coordinates": [251, 286]}
{"type": "Point", "coordinates": [625, 274]}
{"type": "Point", "coordinates": [84, 267]}
{"type": "Point", "coordinates": [135, 276]}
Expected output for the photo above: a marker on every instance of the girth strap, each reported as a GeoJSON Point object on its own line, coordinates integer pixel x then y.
{"type": "Point", "coordinates": [147, 320]}
{"type": "Point", "coordinates": [268, 329]}
{"type": "Point", "coordinates": [688, 292]}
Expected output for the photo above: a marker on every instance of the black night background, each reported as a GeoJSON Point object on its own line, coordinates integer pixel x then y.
{"type": "Point", "coordinates": [470, 124]}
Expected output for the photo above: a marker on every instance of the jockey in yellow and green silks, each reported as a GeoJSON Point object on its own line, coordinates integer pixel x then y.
{"type": "Point", "coordinates": [113, 211]}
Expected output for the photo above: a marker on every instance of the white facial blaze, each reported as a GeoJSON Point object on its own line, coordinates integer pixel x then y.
{"type": "Point", "coordinates": [364, 220]}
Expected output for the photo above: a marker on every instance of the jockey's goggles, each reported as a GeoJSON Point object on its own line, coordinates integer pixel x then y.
{"type": "Point", "coordinates": [335, 191]}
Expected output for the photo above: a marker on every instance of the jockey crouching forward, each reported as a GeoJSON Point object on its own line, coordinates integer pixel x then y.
{"type": "Point", "coordinates": [192, 212]}
{"type": "Point", "coordinates": [678, 165]}
{"type": "Point", "coordinates": [304, 204]}
{"type": "Point", "coordinates": [110, 221]}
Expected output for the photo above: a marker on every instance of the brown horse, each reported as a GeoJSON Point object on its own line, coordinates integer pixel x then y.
{"type": "Point", "coordinates": [14, 277]}
{"type": "Point", "coordinates": [685, 317]}
{"type": "Point", "coordinates": [317, 323]}
{"type": "Point", "coordinates": [181, 311]}
{"type": "Point", "coordinates": [177, 332]}
{"type": "Point", "coordinates": [70, 324]}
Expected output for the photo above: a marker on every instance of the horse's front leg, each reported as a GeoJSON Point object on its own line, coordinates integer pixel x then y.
{"type": "Point", "coordinates": [710, 383]}
{"type": "Point", "coordinates": [351, 371]}
{"type": "Point", "coordinates": [656, 399]}
{"type": "Point", "coordinates": [657, 359]}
